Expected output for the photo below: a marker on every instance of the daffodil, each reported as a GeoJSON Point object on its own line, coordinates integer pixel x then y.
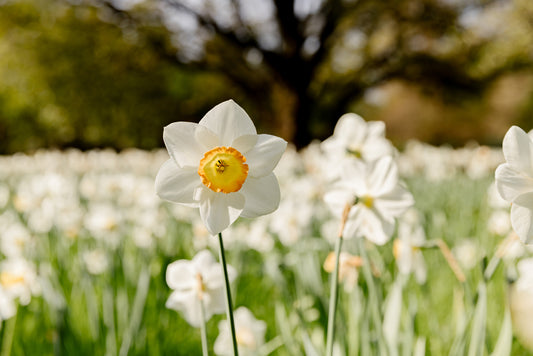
{"type": "Point", "coordinates": [194, 281]}
{"type": "Point", "coordinates": [376, 197]}
{"type": "Point", "coordinates": [221, 166]}
{"type": "Point", "coordinates": [250, 334]}
{"type": "Point", "coordinates": [514, 180]}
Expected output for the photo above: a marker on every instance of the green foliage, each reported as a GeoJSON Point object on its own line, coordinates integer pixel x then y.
{"type": "Point", "coordinates": [72, 78]}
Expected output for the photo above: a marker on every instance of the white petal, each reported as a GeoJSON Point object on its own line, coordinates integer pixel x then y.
{"type": "Point", "coordinates": [337, 198]}
{"type": "Point", "coordinates": [353, 176]}
{"type": "Point", "coordinates": [177, 184]}
{"type": "Point", "coordinates": [182, 140]}
{"type": "Point", "coordinates": [228, 121]}
{"type": "Point", "coordinates": [522, 217]}
{"type": "Point", "coordinates": [518, 150]}
{"type": "Point", "coordinates": [214, 276]}
{"type": "Point", "coordinates": [219, 210]}
{"type": "Point", "coordinates": [203, 260]}
{"type": "Point", "coordinates": [376, 228]}
{"type": "Point", "coordinates": [383, 176]}
{"type": "Point", "coordinates": [261, 196]}
{"type": "Point", "coordinates": [511, 183]}
{"type": "Point", "coordinates": [188, 305]}
{"type": "Point", "coordinates": [265, 155]}
{"type": "Point", "coordinates": [244, 143]}
{"type": "Point", "coordinates": [376, 129]}
{"type": "Point", "coordinates": [181, 275]}
{"type": "Point", "coordinates": [351, 129]}
{"type": "Point", "coordinates": [215, 300]}
{"type": "Point", "coordinates": [395, 203]}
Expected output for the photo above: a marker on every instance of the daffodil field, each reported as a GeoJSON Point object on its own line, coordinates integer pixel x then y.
{"type": "Point", "coordinates": [95, 262]}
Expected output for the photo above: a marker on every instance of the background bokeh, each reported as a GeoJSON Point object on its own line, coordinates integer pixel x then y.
{"type": "Point", "coordinates": [96, 73]}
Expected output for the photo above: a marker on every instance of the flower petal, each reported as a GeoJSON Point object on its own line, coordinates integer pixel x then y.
{"type": "Point", "coordinates": [518, 150]}
{"type": "Point", "coordinates": [337, 198]}
{"type": "Point", "coordinates": [351, 129]}
{"type": "Point", "coordinates": [261, 196]}
{"type": "Point", "coordinates": [188, 305]}
{"type": "Point", "coordinates": [187, 142]}
{"type": "Point", "coordinates": [219, 210]}
{"type": "Point", "coordinates": [244, 143]}
{"type": "Point", "coordinates": [263, 158]}
{"type": "Point", "coordinates": [394, 203]}
{"type": "Point", "coordinates": [203, 260]}
{"type": "Point", "coordinates": [177, 184]}
{"type": "Point", "coordinates": [377, 229]}
{"type": "Point", "coordinates": [181, 275]}
{"type": "Point", "coordinates": [511, 183]}
{"type": "Point", "coordinates": [228, 121]}
{"type": "Point", "coordinates": [383, 176]}
{"type": "Point", "coordinates": [522, 217]}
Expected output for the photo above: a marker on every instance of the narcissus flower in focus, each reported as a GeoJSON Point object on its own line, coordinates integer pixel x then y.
{"type": "Point", "coordinates": [514, 181]}
{"type": "Point", "coordinates": [198, 280]}
{"type": "Point", "coordinates": [222, 166]}
{"type": "Point", "coordinates": [376, 196]}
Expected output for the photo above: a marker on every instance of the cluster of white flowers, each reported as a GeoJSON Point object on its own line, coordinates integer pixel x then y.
{"type": "Point", "coordinates": [104, 200]}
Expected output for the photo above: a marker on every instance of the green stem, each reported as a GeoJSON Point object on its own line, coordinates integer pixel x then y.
{"type": "Point", "coordinates": [9, 332]}
{"type": "Point", "coordinates": [229, 308]}
{"type": "Point", "coordinates": [333, 299]}
{"type": "Point", "coordinates": [203, 330]}
{"type": "Point", "coordinates": [373, 299]}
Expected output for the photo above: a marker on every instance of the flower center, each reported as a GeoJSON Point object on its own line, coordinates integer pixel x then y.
{"type": "Point", "coordinates": [8, 279]}
{"type": "Point", "coordinates": [367, 201]}
{"type": "Point", "coordinates": [222, 169]}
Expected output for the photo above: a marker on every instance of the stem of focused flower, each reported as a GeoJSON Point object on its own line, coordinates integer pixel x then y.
{"type": "Point", "coordinates": [335, 285]}
{"type": "Point", "coordinates": [203, 330]}
{"type": "Point", "coordinates": [229, 308]}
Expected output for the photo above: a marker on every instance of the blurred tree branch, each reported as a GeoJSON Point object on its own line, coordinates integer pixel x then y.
{"type": "Point", "coordinates": [304, 62]}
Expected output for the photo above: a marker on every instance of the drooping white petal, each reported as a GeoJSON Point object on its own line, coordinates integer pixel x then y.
{"type": "Point", "coordinates": [188, 305]}
{"type": "Point", "coordinates": [216, 303]}
{"type": "Point", "coordinates": [181, 275]}
{"type": "Point", "coordinates": [177, 184]}
{"type": "Point", "coordinates": [229, 121]}
{"type": "Point", "coordinates": [512, 183]}
{"type": "Point", "coordinates": [187, 142]}
{"type": "Point", "coordinates": [518, 150]}
{"type": "Point", "coordinates": [377, 229]}
{"type": "Point", "coordinates": [383, 176]}
{"type": "Point", "coordinates": [261, 196]}
{"type": "Point", "coordinates": [265, 155]}
{"type": "Point", "coordinates": [219, 210]}
{"type": "Point", "coordinates": [522, 217]}
{"type": "Point", "coordinates": [394, 203]}
{"type": "Point", "coordinates": [244, 143]}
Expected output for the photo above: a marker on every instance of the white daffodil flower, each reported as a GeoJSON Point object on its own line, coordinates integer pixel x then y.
{"type": "Point", "coordinates": [355, 139]}
{"type": "Point", "coordinates": [407, 247]}
{"type": "Point", "coordinates": [250, 334]}
{"type": "Point", "coordinates": [376, 197]}
{"type": "Point", "coordinates": [198, 280]}
{"type": "Point", "coordinates": [521, 303]}
{"type": "Point", "coordinates": [222, 166]}
{"type": "Point", "coordinates": [514, 181]}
